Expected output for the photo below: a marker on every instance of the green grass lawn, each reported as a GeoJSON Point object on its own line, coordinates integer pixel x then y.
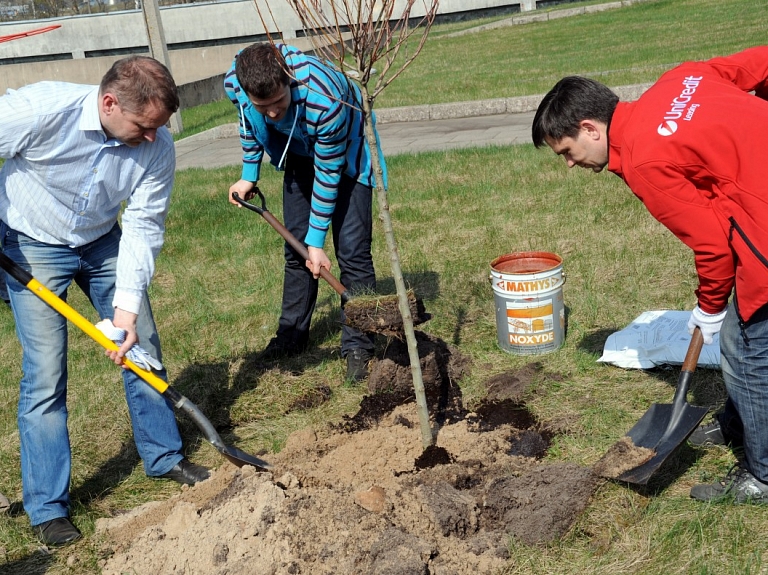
{"type": "Point", "coordinates": [629, 45]}
{"type": "Point", "coordinates": [217, 291]}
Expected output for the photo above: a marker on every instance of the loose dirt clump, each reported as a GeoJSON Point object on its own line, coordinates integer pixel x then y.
{"type": "Point", "coordinates": [381, 314]}
{"type": "Point", "coordinates": [539, 505]}
{"type": "Point", "coordinates": [442, 366]}
{"type": "Point", "coordinates": [512, 386]}
{"type": "Point", "coordinates": [391, 381]}
{"type": "Point", "coordinates": [620, 457]}
{"type": "Point", "coordinates": [366, 499]}
{"type": "Point", "coordinates": [432, 456]}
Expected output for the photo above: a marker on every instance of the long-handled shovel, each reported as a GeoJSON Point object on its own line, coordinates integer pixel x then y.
{"type": "Point", "coordinates": [380, 314]}
{"type": "Point", "coordinates": [665, 426]}
{"type": "Point", "coordinates": [233, 454]}
{"type": "Point", "coordinates": [300, 248]}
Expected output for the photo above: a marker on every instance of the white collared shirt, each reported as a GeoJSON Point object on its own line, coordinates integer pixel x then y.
{"type": "Point", "coordinates": [64, 180]}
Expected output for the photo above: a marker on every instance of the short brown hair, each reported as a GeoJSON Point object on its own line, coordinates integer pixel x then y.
{"type": "Point", "coordinates": [137, 81]}
{"type": "Point", "coordinates": [572, 100]}
{"type": "Point", "coordinates": [260, 69]}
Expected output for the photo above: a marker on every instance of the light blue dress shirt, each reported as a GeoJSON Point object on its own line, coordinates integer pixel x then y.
{"type": "Point", "coordinates": [64, 180]}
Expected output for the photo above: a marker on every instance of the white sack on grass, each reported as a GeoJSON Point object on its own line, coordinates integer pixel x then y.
{"type": "Point", "coordinates": [655, 339]}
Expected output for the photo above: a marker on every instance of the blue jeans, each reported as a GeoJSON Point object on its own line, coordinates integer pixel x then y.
{"type": "Point", "coordinates": [744, 360]}
{"type": "Point", "coordinates": [42, 332]}
{"type": "Point", "coordinates": [351, 225]}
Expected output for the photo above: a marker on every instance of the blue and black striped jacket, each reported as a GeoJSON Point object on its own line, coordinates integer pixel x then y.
{"type": "Point", "coordinates": [329, 127]}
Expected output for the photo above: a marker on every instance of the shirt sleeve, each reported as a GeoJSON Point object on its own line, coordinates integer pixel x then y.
{"type": "Point", "coordinates": [19, 121]}
{"type": "Point", "coordinates": [688, 213]}
{"type": "Point", "coordinates": [330, 157]}
{"type": "Point", "coordinates": [143, 226]}
{"type": "Point", "coordinates": [747, 69]}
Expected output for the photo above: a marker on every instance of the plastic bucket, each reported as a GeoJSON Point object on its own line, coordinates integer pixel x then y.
{"type": "Point", "coordinates": [528, 295]}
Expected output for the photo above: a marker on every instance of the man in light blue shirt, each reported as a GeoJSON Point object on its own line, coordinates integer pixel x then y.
{"type": "Point", "coordinates": [74, 154]}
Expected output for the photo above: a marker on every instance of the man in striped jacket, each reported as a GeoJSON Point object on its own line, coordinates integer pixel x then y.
{"type": "Point", "coordinates": [307, 117]}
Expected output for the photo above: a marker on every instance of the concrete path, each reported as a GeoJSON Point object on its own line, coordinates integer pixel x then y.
{"type": "Point", "coordinates": [221, 147]}
{"type": "Point", "coordinates": [407, 130]}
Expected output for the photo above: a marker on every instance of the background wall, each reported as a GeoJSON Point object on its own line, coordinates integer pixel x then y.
{"type": "Point", "coordinates": [202, 38]}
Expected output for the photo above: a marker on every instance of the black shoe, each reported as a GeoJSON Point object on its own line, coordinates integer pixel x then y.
{"type": "Point", "coordinates": [281, 348]}
{"type": "Point", "coordinates": [707, 434]}
{"type": "Point", "coordinates": [57, 532]}
{"type": "Point", "coordinates": [357, 365]}
{"type": "Point", "coordinates": [186, 472]}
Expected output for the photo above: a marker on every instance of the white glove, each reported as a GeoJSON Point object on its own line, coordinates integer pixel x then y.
{"type": "Point", "coordinates": [709, 323]}
{"type": "Point", "coordinates": [136, 354]}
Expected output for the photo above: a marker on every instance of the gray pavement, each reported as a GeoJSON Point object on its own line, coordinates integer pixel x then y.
{"type": "Point", "coordinates": [221, 147]}
{"type": "Point", "coordinates": [408, 130]}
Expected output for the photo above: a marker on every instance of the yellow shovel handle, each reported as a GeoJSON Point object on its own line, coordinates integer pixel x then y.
{"type": "Point", "coordinates": [72, 315]}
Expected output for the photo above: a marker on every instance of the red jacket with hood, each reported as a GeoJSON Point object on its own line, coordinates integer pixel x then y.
{"type": "Point", "coordinates": [693, 149]}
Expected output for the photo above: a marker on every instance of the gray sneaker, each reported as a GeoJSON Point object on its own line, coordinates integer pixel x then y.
{"type": "Point", "coordinates": [707, 434]}
{"type": "Point", "coordinates": [738, 484]}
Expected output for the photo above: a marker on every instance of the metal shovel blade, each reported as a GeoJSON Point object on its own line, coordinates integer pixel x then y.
{"type": "Point", "coordinates": [234, 455]}
{"type": "Point", "coordinates": [665, 426]}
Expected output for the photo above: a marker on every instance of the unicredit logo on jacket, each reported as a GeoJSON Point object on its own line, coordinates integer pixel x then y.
{"type": "Point", "coordinates": [680, 107]}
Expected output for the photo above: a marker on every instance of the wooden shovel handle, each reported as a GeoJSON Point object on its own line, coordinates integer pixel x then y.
{"type": "Point", "coordinates": [694, 350]}
{"type": "Point", "coordinates": [300, 248]}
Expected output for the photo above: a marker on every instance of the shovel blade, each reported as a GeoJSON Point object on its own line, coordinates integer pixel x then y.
{"type": "Point", "coordinates": [239, 458]}
{"type": "Point", "coordinates": [662, 428]}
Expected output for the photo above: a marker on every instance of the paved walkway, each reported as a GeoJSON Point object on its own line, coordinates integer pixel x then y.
{"type": "Point", "coordinates": [221, 146]}
{"type": "Point", "coordinates": [434, 127]}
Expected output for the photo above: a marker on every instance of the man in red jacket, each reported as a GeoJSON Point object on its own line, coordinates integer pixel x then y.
{"type": "Point", "coordinates": [691, 148]}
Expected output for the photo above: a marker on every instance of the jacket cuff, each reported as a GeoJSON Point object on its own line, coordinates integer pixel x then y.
{"type": "Point", "coordinates": [315, 238]}
{"type": "Point", "coordinates": [251, 172]}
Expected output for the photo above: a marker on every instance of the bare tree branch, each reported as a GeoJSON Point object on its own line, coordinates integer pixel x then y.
{"type": "Point", "coordinates": [368, 32]}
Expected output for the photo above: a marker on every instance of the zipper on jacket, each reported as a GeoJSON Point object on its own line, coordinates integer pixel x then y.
{"type": "Point", "coordinates": [750, 245]}
{"type": "Point", "coordinates": [742, 325]}
{"type": "Point", "coordinates": [758, 255]}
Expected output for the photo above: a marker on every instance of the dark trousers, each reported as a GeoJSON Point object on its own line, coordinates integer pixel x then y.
{"type": "Point", "coordinates": [351, 228]}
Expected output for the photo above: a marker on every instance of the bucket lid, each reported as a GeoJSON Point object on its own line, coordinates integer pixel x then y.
{"type": "Point", "coordinates": [526, 262]}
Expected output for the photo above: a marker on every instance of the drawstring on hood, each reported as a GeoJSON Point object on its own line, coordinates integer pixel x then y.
{"type": "Point", "coordinates": [281, 163]}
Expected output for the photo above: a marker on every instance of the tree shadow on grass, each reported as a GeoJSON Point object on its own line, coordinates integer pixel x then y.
{"type": "Point", "coordinates": [210, 388]}
{"type": "Point", "coordinates": [35, 564]}
{"type": "Point", "coordinates": [109, 475]}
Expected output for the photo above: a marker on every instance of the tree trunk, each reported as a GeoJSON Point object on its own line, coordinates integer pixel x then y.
{"type": "Point", "coordinates": [402, 293]}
